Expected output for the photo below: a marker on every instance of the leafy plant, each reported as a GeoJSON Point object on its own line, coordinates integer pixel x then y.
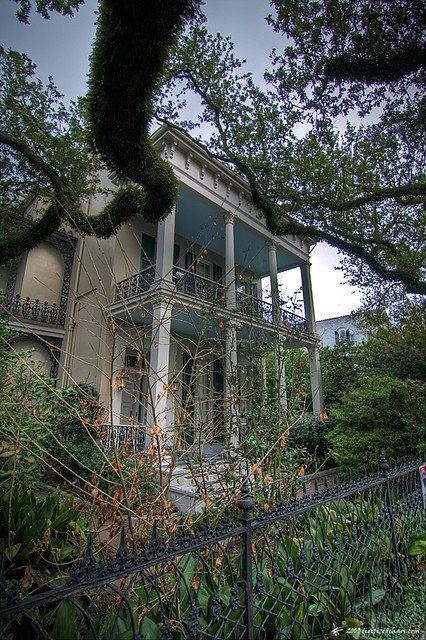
{"type": "Point", "coordinates": [73, 415]}
{"type": "Point", "coordinates": [38, 535]}
{"type": "Point", "coordinates": [23, 391]}
{"type": "Point", "coordinates": [309, 433]}
{"type": "Point", "coordinates": [382, 414]}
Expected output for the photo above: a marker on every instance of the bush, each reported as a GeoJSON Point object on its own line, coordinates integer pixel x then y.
{"type": "Point", "coordinates": [23, 390]}
{"type": "Point", "coordinates": [73, 415]}
{"type": "Point", "coordinates": [383, 414]}
{"type": "Point", "coordinates": [310, 434]}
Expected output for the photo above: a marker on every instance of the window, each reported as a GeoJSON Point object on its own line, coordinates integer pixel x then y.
{"type": "Point", "coordinates": [343, 334]}
{"type": "Point", "coordinates": [176, 255]}
{"type": "Point", "coordinates": [147, 251]}
{"type": "Point", "coordinates": [217, 273]}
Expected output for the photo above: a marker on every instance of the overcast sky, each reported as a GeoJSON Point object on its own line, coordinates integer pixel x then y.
{"type": "Point", "coordinates": [61, 47]}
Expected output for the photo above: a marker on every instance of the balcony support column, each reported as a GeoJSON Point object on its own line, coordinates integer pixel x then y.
{"type": "Point", "coordinates": [231, 383]}
{"type": "Point", "coordinates": [118, 363]}
{"type": "Point", "coordinates": [159, 411]}
{"type": "Point", "coordinates": [273, 280]}
{"type": "Point", "coordinates": [231, 298]}
{"type": "Point", "coordinates": [280, 376]}
{"type": "Point", "coordinates": [164, 251]}
{"type": "Point", "coordinates": [314, 360]}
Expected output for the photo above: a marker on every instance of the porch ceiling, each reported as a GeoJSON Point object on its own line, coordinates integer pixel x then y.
{"type": "Point", "coordinates": [201, 222]}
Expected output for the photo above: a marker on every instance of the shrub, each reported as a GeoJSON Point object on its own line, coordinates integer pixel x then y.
{"type": "Point", "coordinates": [309, 434]}
{"type": "Point", "coordinates": [383, 414]}
{"type": "Point", "coordinates": [73, 415]}
{"type": "Point", "coordinates": [23, 390]}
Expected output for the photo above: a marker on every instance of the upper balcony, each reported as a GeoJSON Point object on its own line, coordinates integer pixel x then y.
{"type": "Point", "coordinates": [202, 252]}
{"type": "Point", "coordinates": [209, 291]}
{"type": "Point", "coordinates": [33, 310]}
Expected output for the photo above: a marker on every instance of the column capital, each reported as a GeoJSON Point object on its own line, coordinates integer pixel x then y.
{"type": "Point", "coordinates": [272, 244]}
{"type": "Point", "coordinates": [231, 323]}
{"type": "Point", "coordinates": [228, 216]}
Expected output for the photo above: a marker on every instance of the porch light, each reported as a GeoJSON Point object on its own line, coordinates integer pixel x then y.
{"type": "Point", "coordinates": [121, 380]}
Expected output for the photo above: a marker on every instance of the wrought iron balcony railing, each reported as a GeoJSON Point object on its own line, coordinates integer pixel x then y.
{"type": "Point", "coordinates": [256, 308]}
{"type": "Point", "coordinates": [124, 436]}
{"type": "Point", "coordinates": [262, 310]}
{"type": "Point", "coordinates": [292, 320]}
{"type": "Point", "coordinates": [211, 291]}
{"type": "Point", "coordinates": [34, 310]}
{"type": "Point", "coordinates": [135, 285]}
{"type": "Point", "coordinates": [198, 286]}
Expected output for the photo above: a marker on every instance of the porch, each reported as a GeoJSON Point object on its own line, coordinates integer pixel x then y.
{"type": "Point", "coordinates": [210, 291]}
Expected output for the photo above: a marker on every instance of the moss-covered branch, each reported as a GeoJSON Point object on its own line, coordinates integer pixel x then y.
{"type": "Point", "coordinates": [133, 41]}
{"type": "Point", "coordinates": [132, 44]}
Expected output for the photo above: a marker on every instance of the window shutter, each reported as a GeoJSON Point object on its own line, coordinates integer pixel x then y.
{"type": "Point", "coordinates": [148, 251]}
{"type": "Point", "coordinates": [217, 273]}
{"type": "Point", "coordinates": [176, 255]}
{"type": "Point", "coordinates": [190, 261]}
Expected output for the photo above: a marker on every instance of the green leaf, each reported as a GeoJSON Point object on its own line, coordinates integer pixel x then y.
{"type": "Point", "coordinates": [64, 627]}
{"type": "Point", "coordinates": [12, 551]}
{"type": "Point", "coordinates": [150, 630]}
{"type": "Point", "coordinates": [376, 596]}
{"type": "Point", "coordinates": [353, 623]}
{"type": "Point", "coordinates": [417, 548]}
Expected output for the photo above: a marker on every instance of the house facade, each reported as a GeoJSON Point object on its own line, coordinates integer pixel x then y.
{"type": "Point", "coordinates": [341, 328]}
{"type": "Point", "coordinates": [168, 321]}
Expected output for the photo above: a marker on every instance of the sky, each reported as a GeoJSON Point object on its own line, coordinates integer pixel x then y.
{"type": "Point", "coordinates": [60, 47]}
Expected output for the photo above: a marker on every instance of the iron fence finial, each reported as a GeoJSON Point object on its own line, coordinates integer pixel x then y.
{"type": "Point", "coordinates": [245, 501]}
{"type": "Point", "coordinates": [383, 465]}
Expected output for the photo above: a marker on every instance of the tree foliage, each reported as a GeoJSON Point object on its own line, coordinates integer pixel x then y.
{"type": "Point", "coordinates": [120, 111]}
{"type": "Point", "coordinates": [45, 7]}
{"type": "Point", "coordinates": [359, 188]}
{"type": "Point", "coordinates": [382, 414]}
{"type": "Point", "coordinates": [395, 349]}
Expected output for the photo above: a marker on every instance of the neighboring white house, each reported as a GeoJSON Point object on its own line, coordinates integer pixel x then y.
{"type": "Point", "coordinates": [332, 330]}
{"type": "Point", "coordinates": [160, 318]}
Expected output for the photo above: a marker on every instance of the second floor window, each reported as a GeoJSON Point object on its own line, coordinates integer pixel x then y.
{"type": "Point", "coordinates": [343, 334]}
{"type": "Point", "coordinates": [147, 251]}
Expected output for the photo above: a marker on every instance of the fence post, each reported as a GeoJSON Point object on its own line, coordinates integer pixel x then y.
{"type": "Point", "coordinates": [245, 503]}
{"type": "Point", "coordinates": [384, 471]}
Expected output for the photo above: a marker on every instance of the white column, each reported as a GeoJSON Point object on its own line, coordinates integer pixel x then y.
{"type": "Point", "coordinates": [316, 383]}
{"type": "Point", "coordinates": [280, 381]}
{"type": "Point", "coordinates": [314, 361]}
{"type": "Point", "coordinates": [281, 384]}
{"type": "Point", "coordinates": [273, 279]}
{"type": "Point", "coordinates": [230, 261]}
{"type": "Point", "coordinates": [165, 246]}
{"type": "Point", "coordinates": [308, 299]}
{"type": "Point", "coordinates": [119, 349]}
{"type": "Point", "coordinates": [159, 366]}
{"type": "Point", "coordinates": [231, 382]}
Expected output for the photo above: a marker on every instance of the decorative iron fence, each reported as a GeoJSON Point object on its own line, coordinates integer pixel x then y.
{"type": "Point", "coordinates": [303, 569]}
{"type": "Point", "coordinates": [33, 310]}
